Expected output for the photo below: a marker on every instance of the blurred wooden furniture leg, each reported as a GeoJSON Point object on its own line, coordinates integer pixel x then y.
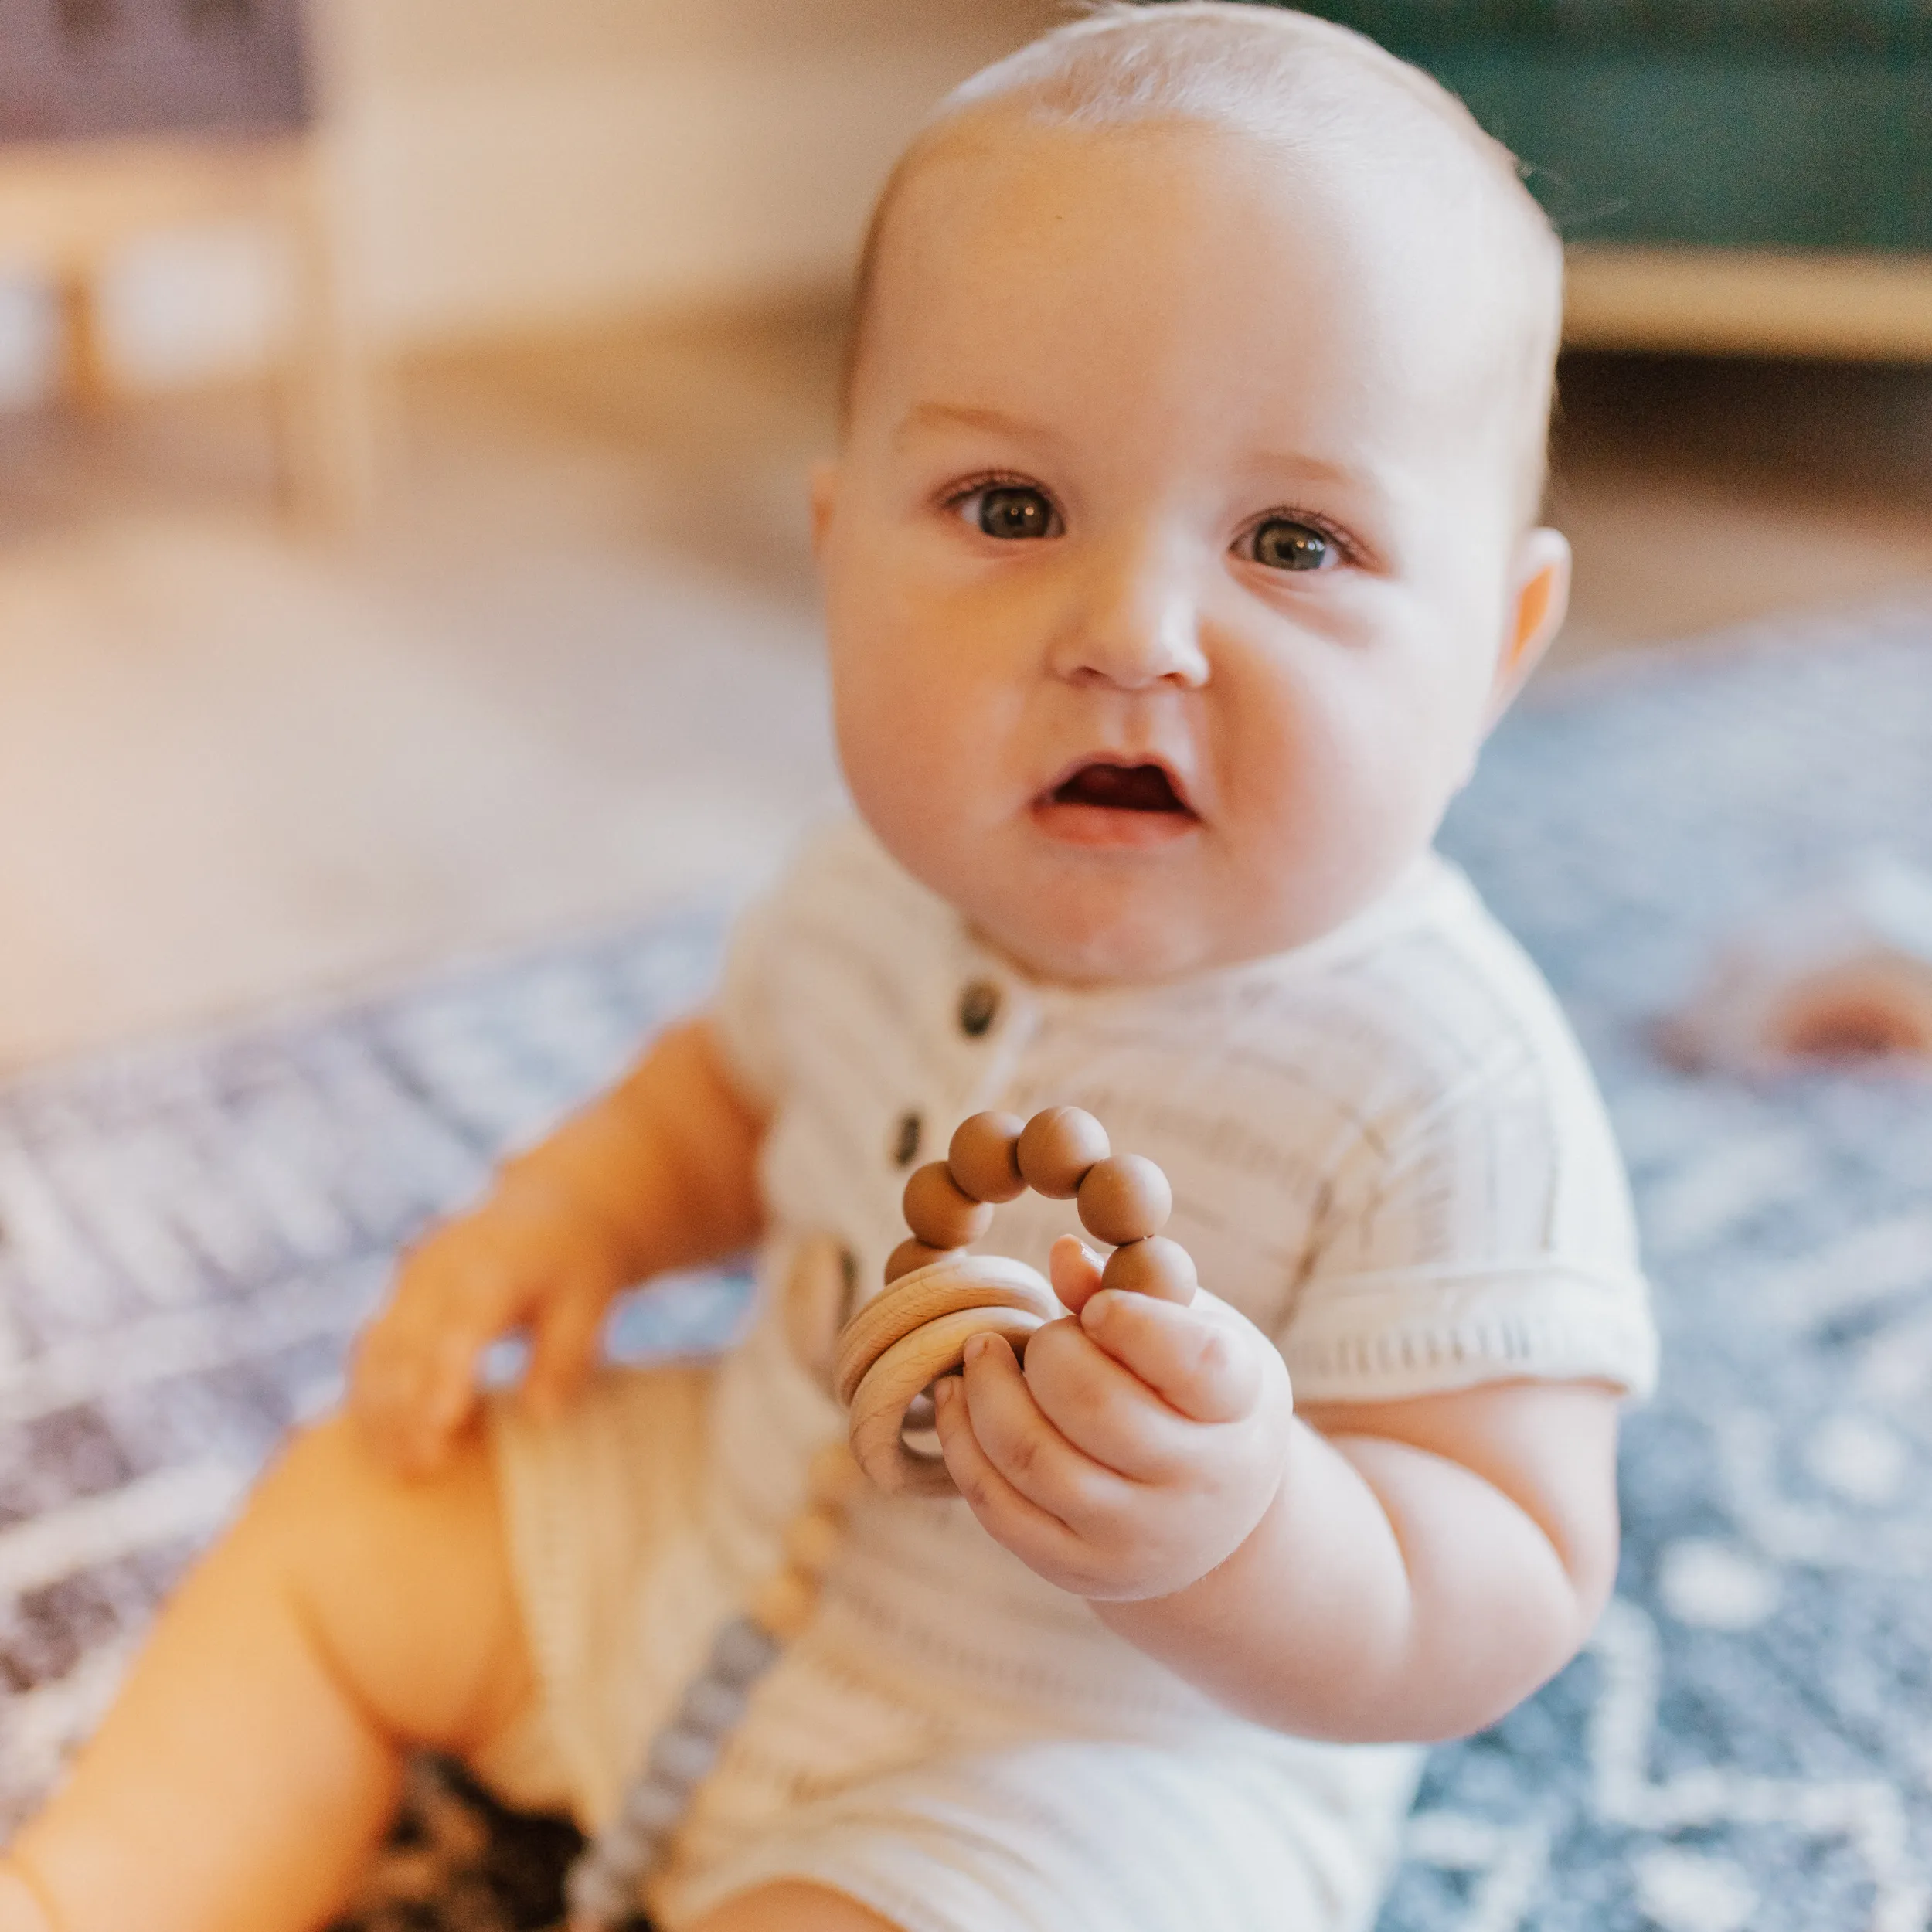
{"type": "Point", "coordinates": [324, 400]}
{"type": "Point", "coordinates": [84, 383]}
{"type": "Point", "coordinates": [66, 207]}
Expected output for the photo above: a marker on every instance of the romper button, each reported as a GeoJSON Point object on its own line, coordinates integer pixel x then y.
{"type": "Point", "coordinates": [978, 1008]}
{"type": "Point", "coordinates": [906, 1140]}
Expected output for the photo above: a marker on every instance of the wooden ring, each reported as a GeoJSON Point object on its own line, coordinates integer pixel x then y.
{"type": "Point", "coordinates": [940, 1288]}
{"type": "Point", "coordinates": [912, 1364]}
{"type": "Point", "coordinates": [899, 1345]}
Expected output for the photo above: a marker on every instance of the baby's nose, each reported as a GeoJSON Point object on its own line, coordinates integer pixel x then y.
{"type": "Point", "coordinates": [1136, 624]}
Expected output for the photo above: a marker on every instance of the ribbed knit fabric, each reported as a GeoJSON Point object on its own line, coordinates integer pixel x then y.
{"type": "Point", "coordinates": [1385, 1148]}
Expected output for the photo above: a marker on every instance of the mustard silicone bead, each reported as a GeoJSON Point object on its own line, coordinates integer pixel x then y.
{"type": "Point", "coordinates": [1157, 1267]}
{"type": "Point", "coordinates": [940, 1212]}
{"type": "Point", "coordinates": [984, 1155]}
{"type": "Point", "coordinates": [909, 1255]}
{"type": "Point", "coordinates": [1058, 1147]}
{"type": "Point", "coordinates": [1125, 1198]}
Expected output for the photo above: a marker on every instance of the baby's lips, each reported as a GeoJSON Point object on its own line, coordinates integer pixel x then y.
{"type": "Point", "coordinates": [1122, 781]}
{"type": "Point", "coordinates": [1110, 806]}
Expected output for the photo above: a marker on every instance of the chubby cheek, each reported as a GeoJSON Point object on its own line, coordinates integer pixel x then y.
{"type": "Point", "coordinates": [923, 722]}
{"type": "Point", "coordinates": [1337, 777]}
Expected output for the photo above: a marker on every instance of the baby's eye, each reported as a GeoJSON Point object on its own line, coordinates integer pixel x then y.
{"type": "Point", "coordinates": [1011, 511]}
{"type": "Point", "coordinates": [1282, 544]}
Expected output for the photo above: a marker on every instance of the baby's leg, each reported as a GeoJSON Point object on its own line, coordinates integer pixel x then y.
{"type": "Point", "coordinates": [253, 1759]}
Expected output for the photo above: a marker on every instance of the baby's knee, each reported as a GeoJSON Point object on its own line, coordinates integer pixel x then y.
{"type": "Point", "coordinates": [406, 1581]}
{"type": "Point", "coordinates": [345, 1512]}
{"type": "Point", "coordinates": [321, 1465]}
{"type": "Point", "coordinates": [336, 1455]}
{"type": "Point", "coordinates": [329, 1483]}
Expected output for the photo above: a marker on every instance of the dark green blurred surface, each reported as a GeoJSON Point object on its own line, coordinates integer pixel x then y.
{"type": "Point", "coordinates": [1769, 124]}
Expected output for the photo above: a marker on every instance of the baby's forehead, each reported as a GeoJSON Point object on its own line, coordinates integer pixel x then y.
{"type": "Point", "coordinates": [997, 166]}
{"type": "Point", "coordinates": [1404, 182]}
{"type": "Point", "coordinates": [1005, 216]}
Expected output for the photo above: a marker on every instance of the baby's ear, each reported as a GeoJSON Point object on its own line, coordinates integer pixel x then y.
{"type": "Point", "coordinates": [1538, 602]}
{"type": "Point", "coordinates": [824, 487]}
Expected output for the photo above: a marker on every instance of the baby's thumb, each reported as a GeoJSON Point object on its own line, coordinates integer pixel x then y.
{"type": "Point", "coordinates": [1075, 1269]}
{"type": "Point", "coordinates": [562, 1351]}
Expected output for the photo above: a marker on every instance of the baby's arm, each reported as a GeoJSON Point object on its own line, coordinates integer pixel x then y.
{"type": "Point", "coordinates": [1400, 1570]}
{"type": "Point", "coordinates": [658, 1173]}
{"type": "Point", "coordinates": [1423, 1566]}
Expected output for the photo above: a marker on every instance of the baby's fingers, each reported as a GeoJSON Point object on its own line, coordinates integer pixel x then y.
{"type": "Point", "coordinates": [1075, 1270]}
{"type": "Point", "coordinates": [408, 1410]}
{"type": "Point", "coordinates": [1029, 1451]}
{"type": "Point", "coordinates": [385, 1391]}
{"type": "Point", "coordinates": [1204, 1360]}
{"type": "Point", "coordinates": [561, 1350]}
{"type": "Point", "coordinates": [415, 1380]}
{"type": "Point", "coordinates": [1011, 1517]}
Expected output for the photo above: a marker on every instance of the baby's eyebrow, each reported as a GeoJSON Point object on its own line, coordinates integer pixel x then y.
{"type": "Point", "coordinates": [1273, 465]}
{"type": "Point", "coordinates": [943, 415]}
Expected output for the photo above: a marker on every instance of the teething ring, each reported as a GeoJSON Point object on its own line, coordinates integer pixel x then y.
{"type": "Point", "coordinates": [937, 1297]}
{"type": "Point", "coordinates": [901, 1344]}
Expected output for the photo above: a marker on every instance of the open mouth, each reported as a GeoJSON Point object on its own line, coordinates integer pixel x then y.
{"type": "Point", "coordinates": [1104, 803]}
{"type": "Point", "coordinates": [1120, 788]}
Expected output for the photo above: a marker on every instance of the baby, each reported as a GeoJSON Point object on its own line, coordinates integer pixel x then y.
{"type": "Point", "coordinates": [1179, 553]}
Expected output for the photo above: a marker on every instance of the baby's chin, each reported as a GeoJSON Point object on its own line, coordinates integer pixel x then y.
{"type": "Point", "coordinates": [1123, 915]}
{"type": "Point", "coordinates": [1115, 910]}
{"type": "Point", "coordinates": [1125, 925]}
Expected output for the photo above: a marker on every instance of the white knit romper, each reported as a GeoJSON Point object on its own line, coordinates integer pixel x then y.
{"type": "Point", "coordinates": [1386, 1150]}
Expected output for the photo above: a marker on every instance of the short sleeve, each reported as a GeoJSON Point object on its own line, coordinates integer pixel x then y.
{"type": "Point", "coordinates": [1478, 1226]}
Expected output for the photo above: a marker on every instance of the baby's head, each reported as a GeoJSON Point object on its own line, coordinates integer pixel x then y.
{"type": "Point", "coordinates": [1178, 552]}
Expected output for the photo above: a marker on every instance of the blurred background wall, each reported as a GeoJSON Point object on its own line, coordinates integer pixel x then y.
{"type": "Point", "coordinates": [503, 166]}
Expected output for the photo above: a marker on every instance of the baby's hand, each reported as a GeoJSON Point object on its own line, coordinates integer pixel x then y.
{"type": "Point", "coordinates": [1141, 1444]}
{"type": "Point", "coordinates": [528, 1258]}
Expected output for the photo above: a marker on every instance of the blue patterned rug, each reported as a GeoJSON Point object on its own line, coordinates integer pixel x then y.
{"type": "Point", "coordinates": [188, 1233]}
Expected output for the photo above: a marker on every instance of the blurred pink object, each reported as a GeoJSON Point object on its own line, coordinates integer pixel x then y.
{"type": "Point", "coordinates": [1841, 973]}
